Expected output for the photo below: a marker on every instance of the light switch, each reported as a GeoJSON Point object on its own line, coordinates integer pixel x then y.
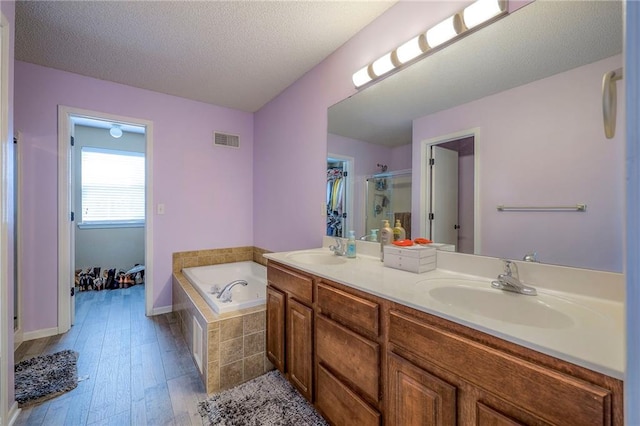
{"type": "Point", "coordinates": [160, 208]}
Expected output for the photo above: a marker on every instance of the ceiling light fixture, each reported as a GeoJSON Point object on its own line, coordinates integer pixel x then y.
{"type": "Point", "coordinates": [452, 28]}
{"type": "Point", "coordinates": [115, 131]}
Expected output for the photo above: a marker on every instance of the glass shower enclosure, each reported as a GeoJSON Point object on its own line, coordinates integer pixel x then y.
{"type": "Point", "coordinates": [388, 197]}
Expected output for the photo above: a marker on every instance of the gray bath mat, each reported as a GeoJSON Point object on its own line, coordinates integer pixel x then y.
{"type": "Point", "coordinates": [268, 400]}
{"type": "Point", "coordinates": [45, 377]}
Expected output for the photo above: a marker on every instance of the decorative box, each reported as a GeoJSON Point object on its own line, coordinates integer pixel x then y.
{"type": "Point", "coordinates": [417, 259]}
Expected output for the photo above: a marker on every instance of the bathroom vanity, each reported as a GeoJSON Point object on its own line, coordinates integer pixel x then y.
{"type": "Point", "coordinates": [370, 345]}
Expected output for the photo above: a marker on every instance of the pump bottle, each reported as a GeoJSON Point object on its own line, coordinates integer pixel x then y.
{"type": "Point", "coordinates": [386, 237]}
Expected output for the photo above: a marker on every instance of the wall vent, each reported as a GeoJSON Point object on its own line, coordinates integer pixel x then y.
{"type": "Point", "coordinates": [226, 139]}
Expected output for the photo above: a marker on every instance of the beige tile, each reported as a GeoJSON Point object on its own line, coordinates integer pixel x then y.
{"type": "Point", "coordinates": [253, 366]}
{"type": "Point", "coordinates": [231, 351]}
{"type": "Point", "coordinates": [189, 262]}
{"type": "Point", "coordinates": [213, 379]}
{"type": "Point", "coordinates": [231, 328]}
{"type": "Point", "coordinates": [214, 345]}
{"type": "Point", "coordinates": [254, 343]}
{"type": "Point", "coordinates": [205, 260]}
{"type": "Point", "coordinates": [254, 322]}
{"type": "Point", "coordinates": [231, 374]}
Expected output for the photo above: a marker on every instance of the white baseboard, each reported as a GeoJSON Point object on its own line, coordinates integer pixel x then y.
{"type": "Point", "coordinates": [18, 338]}
{"type": "Point", "coordinates": [162, 310]}
{"type": "Point", "coordinates": [32, 335]}
{"type": "Point", "coordinates": [14, 412]}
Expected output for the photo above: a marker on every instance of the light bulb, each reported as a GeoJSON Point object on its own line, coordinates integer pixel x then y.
{"type": "Point", "coordinates": [115, 131]}
{"type": "Point", "coordinates": [410, 50]}
{"type": "Point", "coordinates": [444, 31]}
{"type": "Point", "coordinates": [481, 11]}
{"type": "Point", "coordinates": [361, 77]}
{"type": "Point", "coordinates": [383, 65]}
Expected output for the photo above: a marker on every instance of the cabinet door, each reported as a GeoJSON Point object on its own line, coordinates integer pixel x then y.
{"type": "Point", "coordinates": [487, 416]}
{"type": "Point", "coordinates": [417, 397]}
{"type": "Point", "coordinates": [275, 327]}
{"type": "Point", "coordinates": [300, 346]}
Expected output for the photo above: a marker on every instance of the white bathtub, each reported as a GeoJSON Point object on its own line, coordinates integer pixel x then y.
{"type": "Point", "coordinates": [203, 278]}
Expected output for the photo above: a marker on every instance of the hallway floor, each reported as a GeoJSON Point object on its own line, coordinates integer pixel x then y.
{"type": "Point", "coordinates": [140, 370]}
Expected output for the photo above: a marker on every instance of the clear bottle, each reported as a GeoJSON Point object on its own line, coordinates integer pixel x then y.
{"type": "Point", "coordinates": [386, 237]}
{"type": "Point", "coordinates": [374, 235]}
{"type": "Point", "coordinates": [398, 231]}
{"type": "Point", "coordinates": [351, 245]}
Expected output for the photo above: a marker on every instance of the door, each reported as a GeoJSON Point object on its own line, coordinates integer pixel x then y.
{"type": "Point", "coordinates": [444, 195]}
{"type": "Point", "coordinates": [275, 327]}
{"type": "Point", "coordinates": [299, 331]}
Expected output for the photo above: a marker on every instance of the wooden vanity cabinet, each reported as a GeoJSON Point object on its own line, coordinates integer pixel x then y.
{"type": "Point", "coordinates": [348, 356]}
{"type": "Point", "coordinates": [290, 326]}
{"type": "Point", "coordinates": [442, 373]}
{"type": "Point", "coordinates": [364, 360]}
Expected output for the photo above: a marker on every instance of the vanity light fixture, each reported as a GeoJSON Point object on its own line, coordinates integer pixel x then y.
{"type": "Point", "coordinates": [115, 131]}
{"type": "Point", "coordinates": [473, 16]}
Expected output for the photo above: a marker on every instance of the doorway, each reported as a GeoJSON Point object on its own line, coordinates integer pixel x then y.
{"type": "Point", "coordinates": [448, 203]}
{"type": "Point", "coordinates": [339, 203]}
{"type": "Point", "coordinates": [82, 136]}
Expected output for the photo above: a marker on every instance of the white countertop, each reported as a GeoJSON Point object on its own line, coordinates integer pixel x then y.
{"type": "Point", "coordinates": [578, 328]}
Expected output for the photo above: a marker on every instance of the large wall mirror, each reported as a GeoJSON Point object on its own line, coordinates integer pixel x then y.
{"type": "Point", "coordinates": [520, 101]}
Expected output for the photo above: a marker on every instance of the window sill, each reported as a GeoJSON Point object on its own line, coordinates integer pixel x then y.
{"type": "Point", "coordinates": [111, 225]}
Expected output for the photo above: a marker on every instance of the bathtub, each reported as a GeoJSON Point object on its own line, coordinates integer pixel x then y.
{"type": "Point", "coordinates": [203, 278]}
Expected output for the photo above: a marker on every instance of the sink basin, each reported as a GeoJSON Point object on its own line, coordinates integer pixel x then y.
{"type": "Point", "coordinates": [540, 311]}
{"type": "Point", "coordinates": [317, 258]}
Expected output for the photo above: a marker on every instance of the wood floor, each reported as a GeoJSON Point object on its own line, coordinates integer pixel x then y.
{"type": "Point", "coordinates": [139, 369]}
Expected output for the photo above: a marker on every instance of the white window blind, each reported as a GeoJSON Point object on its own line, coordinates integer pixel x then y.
{"type": "Point", "coordinates": [113, 187]}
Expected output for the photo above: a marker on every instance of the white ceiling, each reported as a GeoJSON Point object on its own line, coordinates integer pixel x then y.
{"type": "Point", "coordinates": [237, 54]}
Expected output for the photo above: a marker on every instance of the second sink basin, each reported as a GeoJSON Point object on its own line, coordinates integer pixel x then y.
{"type": "Point", "coordinates": [317, 257]}
{"type": "Point", "coordinates": [541, 311]}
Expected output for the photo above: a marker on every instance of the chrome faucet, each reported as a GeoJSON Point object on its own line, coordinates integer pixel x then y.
{"type": "Point", "coordinates": [531, 257]}
{"type": "Point", "coordinates": [224, 294]}
{"type": "Point", "coordinates": [510, 281]}
{"type": "Point", "coordinates": [340, 249]}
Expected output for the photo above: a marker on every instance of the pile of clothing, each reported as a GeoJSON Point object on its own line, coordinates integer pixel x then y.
{"type": "Point", "coordinates": [110, 279]}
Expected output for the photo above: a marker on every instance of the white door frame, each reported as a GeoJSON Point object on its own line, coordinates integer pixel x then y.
{"type": "Point", "coordinates": [425, 181]}
{"type": "Point", "coordinates": [6, 140]}
{"type": "Point", "coordinates": [65, 226]}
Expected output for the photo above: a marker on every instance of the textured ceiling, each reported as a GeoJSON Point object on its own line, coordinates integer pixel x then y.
{"type": "Point", "coordinates": [237, 54]}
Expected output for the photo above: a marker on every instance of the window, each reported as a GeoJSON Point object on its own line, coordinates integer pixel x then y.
{"type": "Point", "coordinates": [113, 188]}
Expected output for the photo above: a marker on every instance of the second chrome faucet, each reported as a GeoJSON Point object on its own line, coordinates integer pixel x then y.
{"type": "Point", "coordinates": [510, 281]}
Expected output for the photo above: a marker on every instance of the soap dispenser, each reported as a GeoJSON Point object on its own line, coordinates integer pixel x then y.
{"type": "Point", "coordinates": [351, 245]}
{"type": "Point", "coordinates": [398, 231]}
{"type": "Point", "coordinates": [386, 237]}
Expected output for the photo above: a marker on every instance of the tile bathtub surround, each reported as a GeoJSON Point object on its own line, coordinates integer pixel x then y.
{"type": "Point", "coordinates": [234, 342]}
{"type": "Point", "coordinates": [188, 259]}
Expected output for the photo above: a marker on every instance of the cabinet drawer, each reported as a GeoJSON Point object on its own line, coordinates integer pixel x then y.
{"type": "Point", "coordinates": [349, 355]}
{"type": "Point", "coordinates": [553, 396]}
{"type": "Point", "coordinates": [340, 405]}
{"type": "Point", "coordinates": [349, 309]}
{"type": "Point", "coordinates": [297, 285]}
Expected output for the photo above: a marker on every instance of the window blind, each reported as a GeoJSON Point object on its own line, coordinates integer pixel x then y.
{"type": "Point", "coordinates": [113, 186]}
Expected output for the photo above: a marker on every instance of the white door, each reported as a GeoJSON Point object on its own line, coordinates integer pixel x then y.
{"type": "Point", "coordinates": [444, 195]}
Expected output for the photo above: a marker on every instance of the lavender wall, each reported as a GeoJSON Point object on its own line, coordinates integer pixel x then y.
{"type": "Point", "coordinates": [543, 144]}
{"type": "Point", "coordinates": [291, 130]}
{"type": "Point", "coordinates": [207, 191]}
